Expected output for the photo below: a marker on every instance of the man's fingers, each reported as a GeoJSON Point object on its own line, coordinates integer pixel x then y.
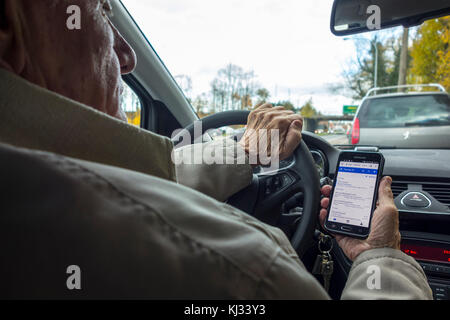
{"type": "Point", "coordinates": [266, 113]}
{"type": "Point", "coordinates": [279, 114]}
{"type": "Point", "coordinates": [265, 106]}
{"type": "Point", "coordinates": [326, 191]}
{"type": "Point", "coordinates": [279, 109]}
{"type": "Point", "coordinates": [293, 117]}
{"type": "Point", "coordinates": [274, 111]}
{"type": "Point", "coordinates": [325, 202]}
{"type": "Point", "coordinates": [277, 118]}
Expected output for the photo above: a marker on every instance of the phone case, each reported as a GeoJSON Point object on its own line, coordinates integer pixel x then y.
{"type": "Point", "coordinates": [379, 177]}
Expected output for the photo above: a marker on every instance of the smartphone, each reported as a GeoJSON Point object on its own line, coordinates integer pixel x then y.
{"type": "Point", "coordinates": [354, 195]}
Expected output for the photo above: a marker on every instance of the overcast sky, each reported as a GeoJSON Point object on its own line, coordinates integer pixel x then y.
{"type": "Point", "coordinates": [287, 43]}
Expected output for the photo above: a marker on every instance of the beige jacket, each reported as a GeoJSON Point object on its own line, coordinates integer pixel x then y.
{"type": "Point", "coordinates": [109, 204]}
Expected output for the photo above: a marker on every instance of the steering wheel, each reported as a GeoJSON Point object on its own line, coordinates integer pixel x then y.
{"type": "Point", "coordinates": [269, 190]}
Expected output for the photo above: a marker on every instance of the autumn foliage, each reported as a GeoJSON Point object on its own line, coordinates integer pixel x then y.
{"type": "Point", "coordinates": [430, 53]}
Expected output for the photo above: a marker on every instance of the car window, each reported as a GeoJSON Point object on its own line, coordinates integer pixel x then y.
{"type": "Point", "coordinates": [399, 112]}
{"type": "Point", "coordinates": [131, 104]}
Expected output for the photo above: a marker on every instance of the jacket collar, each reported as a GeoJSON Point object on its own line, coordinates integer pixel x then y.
{"type": "Point", "coordinates": [35, 118]}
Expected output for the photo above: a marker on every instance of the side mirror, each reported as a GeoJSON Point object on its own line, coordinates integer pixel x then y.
{"type": "Point", "coordinates": [355, 16]}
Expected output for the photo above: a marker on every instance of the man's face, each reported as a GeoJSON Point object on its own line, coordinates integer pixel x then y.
{"type": "Point", "coordinates": [84, 65]}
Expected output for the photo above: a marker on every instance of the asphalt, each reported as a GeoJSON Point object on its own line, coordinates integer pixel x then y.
{"type": "Point", "coordinates": [336, 139]}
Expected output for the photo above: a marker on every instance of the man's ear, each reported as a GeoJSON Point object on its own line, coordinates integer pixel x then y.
{"type": "Point", "coordinates": [12, 48]}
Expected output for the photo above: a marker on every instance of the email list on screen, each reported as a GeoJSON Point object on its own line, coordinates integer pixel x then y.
{"type": "Point", "coordinates": [353, 193]}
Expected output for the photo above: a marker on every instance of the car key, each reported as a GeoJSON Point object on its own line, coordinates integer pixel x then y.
{"type": "Point", "coordinates": [324, 264]}
{"type": "Point", "coordinates": [317, 268]}
{"type": "Point", "coordinates": [327, 270]}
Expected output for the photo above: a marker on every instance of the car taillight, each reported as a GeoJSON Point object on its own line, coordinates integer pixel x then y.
{"type": "Point", "coordinates": [355, 132]}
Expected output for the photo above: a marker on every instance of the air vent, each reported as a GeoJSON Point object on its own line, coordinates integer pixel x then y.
{"type": "Point", "coordinates": [398, 188]}
{"type": "Point", "coordinates": [440, 191]}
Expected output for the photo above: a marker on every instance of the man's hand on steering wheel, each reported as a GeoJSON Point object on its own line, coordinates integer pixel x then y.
{"type": "Point", "coordinates": [267, 117]}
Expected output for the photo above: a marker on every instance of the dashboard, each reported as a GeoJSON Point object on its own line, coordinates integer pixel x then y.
{"type": "Point", "coordinates": [421, 188]}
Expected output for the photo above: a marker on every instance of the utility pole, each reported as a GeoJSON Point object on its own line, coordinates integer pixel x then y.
{"type": "Point", "coordinates": [375, 45]}
{"type": "Point", "coordinates": [403, 58]}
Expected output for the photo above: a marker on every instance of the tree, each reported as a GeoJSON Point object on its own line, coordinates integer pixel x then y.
{"type": "Point", "coordinates": [131, 104]}
{"type": "Point", "coordinates": [247, 89]}
{"type": "Point", "coordinates": [308, 110]}
{"type": "Point", "coordinates": [287, 105]}
{"type": "Point", "coordinates": [394, 52]}
{"type": "Point", "coordinates": [185, 83]}
{"type": "Point", "coordinates": [403, 64]}
{"type": "Point", "coordinates": [227, 85]}
{"type": "Point", "coordinates": [443, 72]}
{"type": "Point", "coordinates": [201, 103]}
{"type": "Point", "coordinates": [263, 96]}
{"type": "Point", "coordinates": [360, 75]}
{"type": "Point", "coordinates": [233, 88]}
{"type": "Point", "coordinates": [218, 95]}
{"type": "Point", "coordinates": [430, 53]}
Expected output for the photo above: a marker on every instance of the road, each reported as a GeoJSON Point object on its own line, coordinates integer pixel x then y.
{"type": "Point", "coordinates": [335, 139]}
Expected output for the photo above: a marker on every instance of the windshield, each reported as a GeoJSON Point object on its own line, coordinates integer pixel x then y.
{"type": "Point", "coordinates": [234, 55]}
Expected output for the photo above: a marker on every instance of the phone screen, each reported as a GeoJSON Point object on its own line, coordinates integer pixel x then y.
{"type": "Point", "coordinates": [354, 193]}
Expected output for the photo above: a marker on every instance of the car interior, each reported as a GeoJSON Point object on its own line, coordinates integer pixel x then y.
{"type": "Point", "coordinates": [293, 206]}
{"type": "Point", "coordinates": [289, 197]}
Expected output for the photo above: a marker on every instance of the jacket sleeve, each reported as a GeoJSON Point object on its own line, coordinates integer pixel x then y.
{"type": "Point", "coordinates": [218, 169]}
{"type": "Point", "coordinates": [386, 274]}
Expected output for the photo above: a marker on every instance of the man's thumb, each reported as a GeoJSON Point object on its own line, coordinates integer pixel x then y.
{"type": "Point", "coordinates": [385, 191]}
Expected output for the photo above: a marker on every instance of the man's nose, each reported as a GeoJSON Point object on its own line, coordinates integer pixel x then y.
{"type": "Point", "coordinates": [126, 54]}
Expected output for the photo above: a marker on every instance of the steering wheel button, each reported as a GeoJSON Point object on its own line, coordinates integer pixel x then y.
{"type": "Point", "coordinates": [287, 180]}
{"type": "Point", "coordinates": [276, 182]}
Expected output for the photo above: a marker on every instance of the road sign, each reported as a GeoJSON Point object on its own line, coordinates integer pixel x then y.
{"type": "Point", "coordinates": [350, 110]}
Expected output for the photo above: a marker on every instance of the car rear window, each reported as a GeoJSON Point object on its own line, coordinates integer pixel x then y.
{"type": "Point", "coordinates": [405, 111]}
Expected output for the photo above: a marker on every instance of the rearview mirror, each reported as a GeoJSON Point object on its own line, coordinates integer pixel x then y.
{"type": "Point", "coordinates": [356, 16]}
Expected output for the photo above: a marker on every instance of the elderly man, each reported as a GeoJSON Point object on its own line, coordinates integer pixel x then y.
{"type": "Point", "coordinates": [82, 189]}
